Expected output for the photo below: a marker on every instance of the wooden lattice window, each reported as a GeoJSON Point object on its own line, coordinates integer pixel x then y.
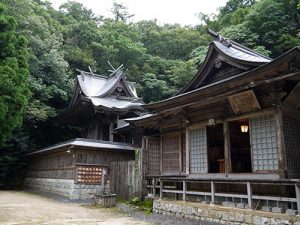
{"type": "Point", "coordinates": [153, 156]}
{"type": "Point", "coordinates": [292, 143]}
{"type": "Point", "coordinates": [198, 150]}
{"type": "Point", "coordinates": [170, 155]}
{"type": "Point", "coordinates": [89, 174]}
{"type": "Point", "coordinates": [263, 143]}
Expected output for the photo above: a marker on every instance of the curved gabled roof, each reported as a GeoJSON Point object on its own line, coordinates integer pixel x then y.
{"type": "Point", "coordinates": [98, 86]}
{"type": "Point", "coordinates": [261, 74]}
{"type": "Point", "coordinates": [94, 92]}
{"type": "Point", "coordinates": [239, 52]}
{"type": "Point", "coordinates": [222, 50]}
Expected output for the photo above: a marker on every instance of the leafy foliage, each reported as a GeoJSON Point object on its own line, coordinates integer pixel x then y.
{"type": "Point", "coordinates": [14, 91]}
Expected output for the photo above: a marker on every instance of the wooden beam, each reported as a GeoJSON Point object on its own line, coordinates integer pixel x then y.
{"type": "Point", "coordinates": [161, 186]}
{"type": "Point", "coordinates": [227, 147]}
{"type": "Point", "coordinates": [111, 130]}
{"type": "Point", "coordinates": [180, 151]}
{"type": "Point", "coordinates": [249, 195]}
{"type": "Point", "coordinates": [161, 151]}
{"type": "Point", "coordinates": [184, 190]}
{"type": "Point", "coordinates": [213, 192]}
{"type": "Point", "coordinates": [280, 144]}
{"type": "Point", "coordinates": [297, 189]}
{"type": "Point", "coordinates": [153, 187]}
{"type": "Point", "coordinates": [176, 194]}
{"type": "Point", "coordinates": [187, 151]}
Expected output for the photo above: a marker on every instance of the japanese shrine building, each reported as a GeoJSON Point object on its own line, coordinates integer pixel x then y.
{"type": "Point", "coordinates": [77, 168]}
{"type": "Point", "coordinates": [232, 134]}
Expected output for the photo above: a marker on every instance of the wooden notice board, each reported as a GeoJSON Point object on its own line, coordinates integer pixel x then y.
{"type": "Point", "coordinates": [87, 174]}
{"type": "Point", "coordinates": [244, 102]}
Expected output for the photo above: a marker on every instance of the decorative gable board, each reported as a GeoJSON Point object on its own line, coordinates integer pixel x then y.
{"type": "Point", "coordinates": [221, 71]}
{"type": "Point", "coordinates": [244, 102]}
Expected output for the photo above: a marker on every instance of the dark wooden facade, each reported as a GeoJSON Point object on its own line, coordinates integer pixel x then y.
{"type": "Point", "coordinates": [64, 162]}
{"type": "Point", "coordinates": [196, 139]}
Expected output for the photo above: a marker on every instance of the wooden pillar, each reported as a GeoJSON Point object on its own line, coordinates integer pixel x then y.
{"type": "Point", "coordinates": [213, 191]}
{"type": "Point", "coordinates": [280, 143]}
{"type": "Point", "coordinates": [161, 189]}
{"type": "Point", "coordinates": [180, 151]}
{"type": "Point", "coordinates": [176, 188]}
{"type": "Point", "coordinates": [227, 148]}
{"type": "Point", "coordinates": [184, 190]}
{"type": "Point", "coordinates": [161, 150]}
{"type": "Point", "coordinates": [249, 194]}
{"type": "Point", "coordinates": [100, 134]}
{"type": "Point", "coordinates": [153, 187]}
{"type": "Point", "coordinates": [297, 188]}
{"type": "Point", "coordinates": [111, 130]}
{"type": "Point", "coordinates": [187, 151]}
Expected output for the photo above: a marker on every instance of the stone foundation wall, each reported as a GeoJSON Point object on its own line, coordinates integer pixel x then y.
{"type": "Point", "coordinates": [223, 215]}
{"type": "Point", "coordinates": [63, 187]}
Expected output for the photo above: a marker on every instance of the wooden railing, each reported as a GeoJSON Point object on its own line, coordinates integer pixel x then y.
{"type": "Point", "coordinates": [158, 183]}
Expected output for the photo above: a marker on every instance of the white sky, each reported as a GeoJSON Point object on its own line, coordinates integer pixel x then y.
{"type": "Point", "coordinates": [165, 11]}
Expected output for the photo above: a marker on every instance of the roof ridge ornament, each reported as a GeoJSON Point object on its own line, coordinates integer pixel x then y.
{"type": "Point", "coordinates": [219, 38]}
{"type": "Point", "coordinates": [91, 71]}
{"type": "Point", "coordinates": [114, 71]}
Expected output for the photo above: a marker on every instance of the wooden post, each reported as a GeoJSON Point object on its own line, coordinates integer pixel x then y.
{"type": "Point", "coordinates": [249, 193]}
{"type": "Point", "coordinates": [280, 143]}
{"type": "Point", "coordinates": [297, 188]}
{"type": "Point", "coordinates": [187, 152]}
{"type": "Point", "coordinates": [161, 189]}
{"type": "Point", "coordinates": [213, 191]}
{"type": "Point", "coordinates": [111, 130]}
{"type": "Point", "coordinates": [161, 150]}
{"type": "Point", "coordinates": [153, 187]}
{"type": "Point", "coordinates": [227, 148]}
{"type": "Point", "coordinates": [184, 190]}
{"type": "Point", "coordinates": [176, 188]}
{"type": "Point", "coordinates": [180, 151]}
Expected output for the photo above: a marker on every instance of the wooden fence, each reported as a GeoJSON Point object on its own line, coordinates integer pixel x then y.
{"type": "Point", "coordinates": [126, 179]}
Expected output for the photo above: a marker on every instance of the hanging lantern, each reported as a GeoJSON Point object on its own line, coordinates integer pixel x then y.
{"type": "Point", "coordinates": [244, 128]}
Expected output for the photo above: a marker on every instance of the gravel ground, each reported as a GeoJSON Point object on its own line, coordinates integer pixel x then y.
{"type": "Point", "coordinates": [27, 208]}
{"type": "Point", "coordinates": [159, 219]}
{"type": "Point", "coordinates": [24, 208]}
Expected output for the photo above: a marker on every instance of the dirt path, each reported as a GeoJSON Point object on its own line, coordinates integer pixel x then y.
{"type": "Point", "coordinates": [18, 207]}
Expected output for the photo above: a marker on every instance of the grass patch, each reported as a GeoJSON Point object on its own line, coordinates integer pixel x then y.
{"type": "Point", "coordinates": [146, 206]}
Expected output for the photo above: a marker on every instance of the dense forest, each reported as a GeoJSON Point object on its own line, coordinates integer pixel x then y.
{"type": "Point", "coordinates": [41, 48]}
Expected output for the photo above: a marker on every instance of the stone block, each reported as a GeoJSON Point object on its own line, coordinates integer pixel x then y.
{"type": "Point", "coordinates": [266, 208]}
{"type": "Point", "coordinates": [291, 212]}
{"type": "Point", "coordinates": [227, 216]}
{"type": "Point", "coordinates": [277, 210]}
{"type": "Point", "coordinates": [229, 204]}
{"type": "Point", "coordinates": [224, 204]}
{"type": "Point", "coordinates": [240, 205]}
{"type": "Point", "coordinates": [239, 217]}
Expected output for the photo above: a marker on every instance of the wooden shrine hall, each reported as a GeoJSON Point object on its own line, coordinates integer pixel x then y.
{"type": "Point", "coordinates": [77, 168]}
{"type": "Point", "coordinates": [231, 135]}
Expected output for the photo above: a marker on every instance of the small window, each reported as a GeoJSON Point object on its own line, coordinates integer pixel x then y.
{"type": "Point", "coordinates": [198, 150]}
{"type": "Point", "coordinates": [263, 143]}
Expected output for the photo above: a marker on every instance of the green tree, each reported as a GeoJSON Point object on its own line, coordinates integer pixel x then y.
{"type": "Point", "coordinates": [120, 12]}
{"type": "Point", "coordinates": [277, 23]}
{"type": "Point", "coordinates": [14, 91]}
